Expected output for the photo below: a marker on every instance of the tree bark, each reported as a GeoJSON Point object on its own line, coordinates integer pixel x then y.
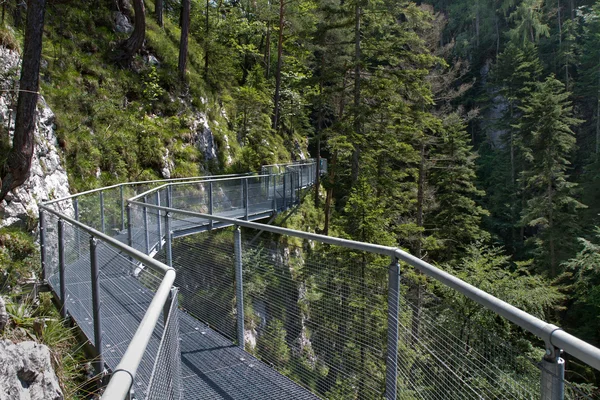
{"type": "Point", "coordinates": [158, 9]}
{"type": "Point", "coordinates": [279, 64]}
{"type": "Point", "coordinates": [206, 41]}
{"type": "Point", "coordinates": [329, 197]}
{"type": "Point", "coordinates": [268, 51]}
{"type": "Point", "coordinates": [357, 94]}
{"type": "Point", "coordinates": [133, 44]}
{"type": "Point", "coordinates": [183, 46]}
{"type": "Point", "coordinates": [16, 169]}
{"type": "Point", "coordinates": [416, 317]}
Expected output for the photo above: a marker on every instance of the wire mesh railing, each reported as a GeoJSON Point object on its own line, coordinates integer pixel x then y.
{"type": "Point", "coordinates": [109, 288]}
{"type": "Point", "coordinates": [92, 276]}
{"type": "Point", "coordinates": [330, 314]}
{"type": "Point", "coordinates": [319, 314]}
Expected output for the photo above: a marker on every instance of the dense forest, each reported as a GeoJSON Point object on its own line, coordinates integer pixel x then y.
{"type": "Point", "coordinates": [466, 132]}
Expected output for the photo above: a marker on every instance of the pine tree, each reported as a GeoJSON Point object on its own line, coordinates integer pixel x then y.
{"type": "Point", "coordinates": [547, 144]}
{"type": "Point", "coordinates": [457, 217]}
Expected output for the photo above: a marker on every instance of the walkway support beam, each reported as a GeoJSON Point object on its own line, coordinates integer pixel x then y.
{"type": "Point", "coordinates": [146, 232]}
{"type": "Point", "coordinates": [61, 268]}
{"type": "Point", "coordinates": [391, 364]}
{"type": "Point", "coordinates": [169, 240]}
{"type": "Point", "coordinates": [96, 304]}
{"type": "Point", "coordinates": [553, 378]}
{"type": "Point", "coordinates": [239, 285]}
{"type": "Point", "coordinates": [43, 245]}
{"type": "Point", "coordinates": [159, 222]}
{"type": "Point", "coordinates": [122, 208]}
{"type": "Point", "coordinates": [103, 227]}
{"type": "Point", "coordinates": [210, 204]}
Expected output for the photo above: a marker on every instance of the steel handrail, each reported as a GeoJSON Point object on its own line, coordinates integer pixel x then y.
{"type": "Point", "coordinates": [125, 372]}
{"type": "Point", "coordinates": [46, 203]}
{"type": "Point", "coordinates": [552, 335]}
{"type": "Point", "coordinates": [236, 177]}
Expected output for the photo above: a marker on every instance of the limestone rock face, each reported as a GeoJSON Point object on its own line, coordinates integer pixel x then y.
{"type": "Point", "coordinates": [48, 178]}
{"type": "Point", "coordinates": [3, 314]}
{"type": "Point", "coordinates": [26, 372]}
{"type": "Point", "coordinates": [204, 137]}
{"type": "Point", "coordinates": [122, 24]}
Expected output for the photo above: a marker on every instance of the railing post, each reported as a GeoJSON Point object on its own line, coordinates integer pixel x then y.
{"type": "Point", "coordinates": [61, 268]}
{"type": "Point", "coordinates": [129, 226]}
{"type": "Point", "coordinates": [122, 209]}
{"type": "Point", "coordinates": [95, 274]}
{"type": "Point", "coordinates": [168, 241]}
{"type": "Point", "coordinates": [391, 365]}
{"type": "Point", "coordinates": [246, 202]}
{"type": "Point", "coordinates": [102, 211]}
{"type": "Point", "coordinates": [43, 244]}
{"type": "Point", "coordinates": [239, 286]}
{"type": "Point", "coordinates": [146, 233]}
{"type": "Point", "coordinates": [77, 236]}
{"type": "Point", "coordinates": [159, 221]}
{"type": "Point", "coordinates": [274, 193]}
{"type": "Point", "coordinates": [169, 196]}
{"type": "Point", "coordinates": [553, 376]}
{"type": "Point", "coordinates": [285, 175]}
{"type": "Point", "coordinates": [210, 204]}
{"type": "Point", "coordinates": [167, 306]}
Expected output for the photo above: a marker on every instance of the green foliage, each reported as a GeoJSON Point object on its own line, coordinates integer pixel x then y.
{"type": "Point", "coordinates": [547, 146]}
{"type": "Point", "coordinates": [457, 217]}
{"type": "Point", "coordinates": [272, 346]}
{"type": "Point", "coordinates": [19, 258]}
{"type": "Point", "coordinates": [584, 272]}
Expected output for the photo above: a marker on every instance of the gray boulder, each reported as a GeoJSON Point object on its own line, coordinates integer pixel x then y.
{"type": "Point", "coordinates": [26, 372]}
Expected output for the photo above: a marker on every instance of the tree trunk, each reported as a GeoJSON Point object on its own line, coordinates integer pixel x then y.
{"type": "Point", "coordinates": [206, 41]}
{"type": "Point", "coordinates": [268, 51]}
{"type": "Point", "coordinates": [319, 133]}
{"type": "Point", "coordinates": [183, 46]}
{"type": "Point", "coordinates": [158, 9]}
{"type": "Point", "coordinates": [598, 120]}
{"type": "Point", "coordinates": [16, 169]}
{"type": "Point", "coordinates": [551, 229]}
{"type": "Point", "coordinates": [477, 23]}
{"type": "Point", "coordinates": [17, 14]}
{"type": "Point", "coordinates": [329, 197]}
{"type": "Point", "coordinates": [133, 44]}
{"type": "Point", "coordinates": [279, 63]}
{"type": "Point", "coordinates": [416, 317]}
{"type": "Point", "coordinates": [357, 111]}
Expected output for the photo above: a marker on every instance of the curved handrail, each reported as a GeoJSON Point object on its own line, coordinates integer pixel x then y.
{"type": "Point", "coordinates": [124, 374]}
{"type": "Point", "coordinates": [551, 334]}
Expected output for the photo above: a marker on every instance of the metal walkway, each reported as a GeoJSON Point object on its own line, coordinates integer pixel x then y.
{"type": "Point", "coordinates": [212, 367]}
{"type": "Point", "coordinates": [327, 312]}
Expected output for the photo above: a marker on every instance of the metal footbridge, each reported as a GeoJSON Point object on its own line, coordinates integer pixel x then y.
{"type": "Point", "coordinates": [182, 294]}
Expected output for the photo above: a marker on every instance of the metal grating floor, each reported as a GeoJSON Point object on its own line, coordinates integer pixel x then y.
{"type": "Point", "coordinates": [212, 367]}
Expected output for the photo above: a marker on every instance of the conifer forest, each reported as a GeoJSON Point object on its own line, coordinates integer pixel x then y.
{"type": "Point", "coordinates": [466, 132]}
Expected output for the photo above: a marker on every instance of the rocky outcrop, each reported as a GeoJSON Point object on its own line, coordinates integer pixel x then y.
{"type": "Point", "coordinates": [3, 314]}
{"type": "Point", "coordinates": [204, 137]}
{"type": "Point", "coordinates": [122, 23]}
{"type": "Point", "coordinates": [48, 178]}
{"type": "Point", "coordinates": [26, 372]}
